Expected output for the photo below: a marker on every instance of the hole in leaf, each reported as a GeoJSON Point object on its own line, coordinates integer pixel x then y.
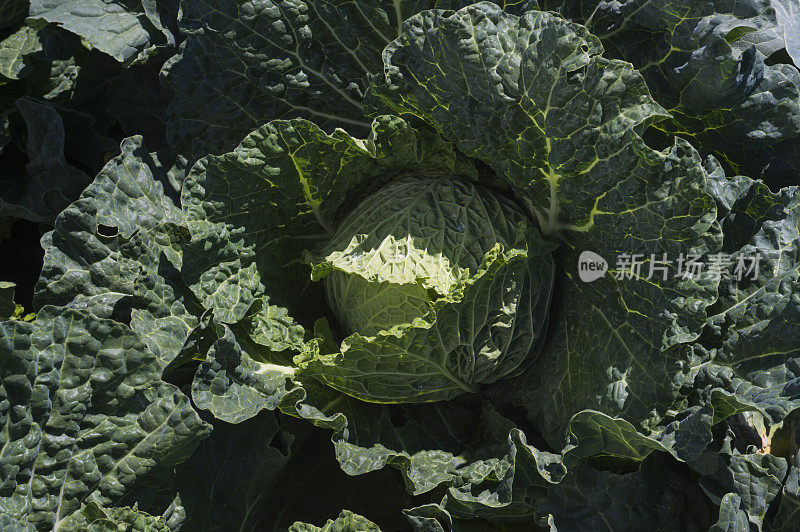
{"type": "Point", "coordinates": [781, 57]}
{"type": "Point", "coordinates": [576, 77]}
{"type": "Point", "coordinates": [108, 231]}
{"type": "Point", "coordinates": [657, 139]}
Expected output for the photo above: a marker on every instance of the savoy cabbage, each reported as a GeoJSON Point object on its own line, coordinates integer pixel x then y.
{"type": "Point", "coordinates": [400, 265]}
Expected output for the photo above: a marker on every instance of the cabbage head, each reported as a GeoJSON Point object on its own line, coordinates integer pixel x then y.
{"type": "Point", "coordinates": [438, 286]}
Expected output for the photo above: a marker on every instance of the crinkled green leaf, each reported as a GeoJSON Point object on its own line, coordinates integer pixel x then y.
{"type": "Point", "coordinates": [573, 151]}
{"type": "Point", "coordinates": [14, 49]}
{"type": "Point", "coordinates": [755, 322]}
{"type": "Point", "coordinates": [656, 497]}
{"type": "Point", "coordinates": [347, 521]}
{"type": "Point", "coordinates": [93, 518]}
{"type": "Point", "coordinates": [788, 12]}
{"type": "Point", "coordinates": [233, 386]}
{"type": "Point", "coordinates": [594, 433]}
{"type": "Point", "coordinates": [705, 63]}
{"type": "Point", "coordinates": [243, 64]}
{"type": "Point", "coordinates": [545, 95]}
{"type": "Point", "coordinates": [780, 30]}
{"type": "Point", "coordinates": [429, 518]}
{"type": "Point", "coordinates": [52, 71]}
{"type": "Point", "coordinates": [732, 518]}
{"type": "Point", "coordinates": [10, 523]}
{"type": "Point", "coordinates": [124, 31]}
{"type": "Point", "coordinates": [272, 327]}
{"type": "Point", "coordinates": [756, 479]}
{"type": "Point", "coordinates": [84, 415]}
{"type": "Point", "coordinates": [788, 516]}
{"type": "Point", "coordinates": [117, 252]}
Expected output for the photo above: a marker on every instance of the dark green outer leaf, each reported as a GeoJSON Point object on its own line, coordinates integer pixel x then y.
{"type": "Point", "coordinates": [779, 29]}
{"type": "Point", "coordinates": [594, 433]}
{"type": "Point", "coordinates": [704, 61]}
{"type": "Point", "coordinates": [245, 462]}
{"type": "Point", "coordinates": [788, 516]}
{"type": "Point", "coordinates": [788, 12]}
{"type": "Point", "coordinates": [116, 252]}
{"type": "Point", "coordinates": [48, 183]}
{"type": "Point", "coordinates": [731, 516]}
{"type": "Point", "coordinates": [756, 479]}
{"type": "Point", "coordinates": [84, 415]}
{"type": "Point", "coordinates": [536, 81]}
{"type": "Point", "coordinates": [653, 498]}
{"type": "Point", "coordinates": [244, 64]}
{"type": "Point", "coordinates": [755, 324]}
{"type": "Point", "coordinates": [123, 31]}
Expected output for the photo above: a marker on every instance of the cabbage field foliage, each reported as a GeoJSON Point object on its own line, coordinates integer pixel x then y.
{"type": "Point", "coordinates": [351, 265]}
